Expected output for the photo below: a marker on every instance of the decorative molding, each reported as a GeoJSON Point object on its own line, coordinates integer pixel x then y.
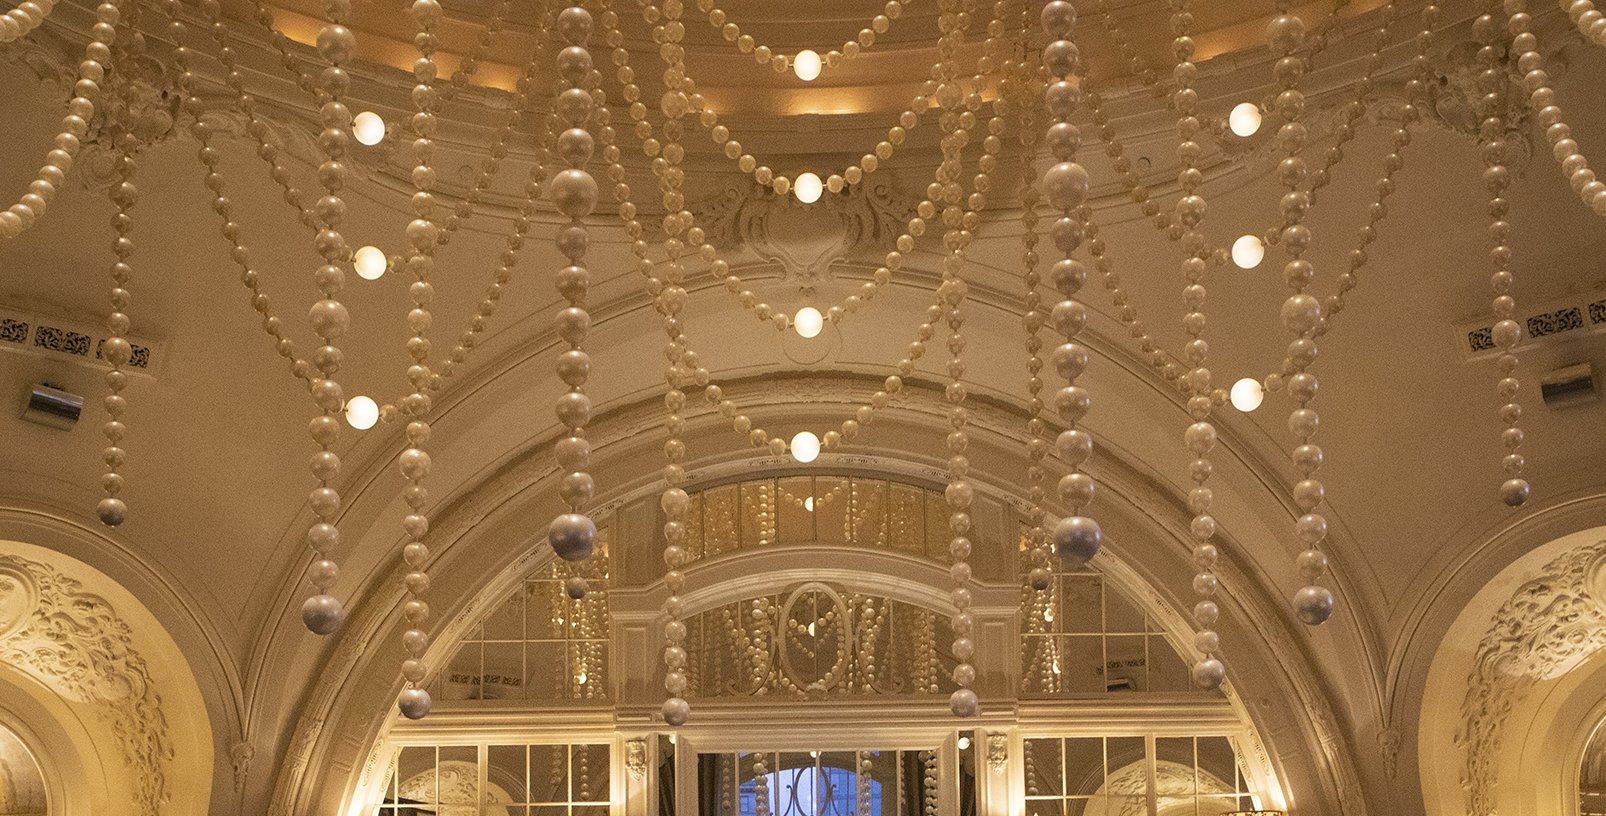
{"type": "Point", "coordinates": [636, 758]}
{"type": "Point", "coordinates": [1388, 746]}
{"type": "Point", "coordinates": [805, 240]}
{"type": "Point", "coordinates": [1549, 625]}
{"type": "Point", "coordinates": [997, 753]}
{"type": "Point", "coordinates": [240, 755]}
{"type": "Point", "coordinates": [77, 645]}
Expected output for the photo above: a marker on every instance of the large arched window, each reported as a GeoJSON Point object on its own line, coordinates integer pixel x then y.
{"type": "Point", "coordinates": [819, 658]}
{"type": "Point", "coordinates": [22, 781]}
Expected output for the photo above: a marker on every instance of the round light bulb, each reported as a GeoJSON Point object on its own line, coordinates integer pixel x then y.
{"type": "Point", "coordinates": [808, 504]}
{"type": "Point", "coordinates": [582, 678]}
{"type": "Point", "coordinates": [369, 128]}
{"type": "Point", "coordinates": [807, 65]}
{"type": "Point", "coordinates": [809, 322]}
{"type": "Point", "coordinates": [964, 743]}
{"type": "Point", "coordinates": [362, 413]}
{"type": "Point", "coordinates": [1247, 394]}
{"type": "Point", "coordinates": [805, 447]}
{"type": "Point", "coordinates": [1248, 252]}
{"type": "Point", "coordinates": [808, 188]}
{"type": "Point", "coordinates": [1244, 119]}
{"type": "Point", "coordinates": [370, 262]}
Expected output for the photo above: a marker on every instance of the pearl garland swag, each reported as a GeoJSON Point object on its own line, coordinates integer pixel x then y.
{"type": "Point", "coordinates": [1028, 88]}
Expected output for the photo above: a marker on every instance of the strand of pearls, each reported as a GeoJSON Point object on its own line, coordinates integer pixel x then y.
{"type": "Point", "coordinates": [254, 125]}
{"type": "Point", "coordinates": [424, 236]}
{"type": "Point", "coordinates": [574, 193]}
{"type": "Point", "coordinates": [1507, 332]}
{"type": "Point", "coordinates": [1021, 93]}
{"type": "Point", "coordinates": [1135, 62]}
{"type": "Point", "coordinates": [210, 159]}
{"type": "Point", "coordinates": [1300, 314]}
{"type": "Point", "coordinates": [1590, 21]}
{"type": "Point", "coordinates": [956, 238]}
{"type": "Point", "coordinates": [1352, 113]}
{"type": "Point", "coordinates": [665, 164]}
{"type": "Point", "coordinates": [1200, 436]}
{"type": "Point", "coordinates": [766, 55]}
{"type": "Point", "coordinates": [321, 612]}
{"type": "Point", "coordinates": [470, 62]}
{"type": "Point", "coordinates": [761, 785]}
{"type": "Point", "coordinates": [1076, 538]}
{"type": "Point", "coordinates": [23, 19]}
{"type": "Point", "coordinates": [1542, 97]}
{"type": "Point", "coordinates": [117, 351]}
{"type": "Point", "coordinates": [74, 125]}
{"type": "Point", "coordinates": [671, 299]}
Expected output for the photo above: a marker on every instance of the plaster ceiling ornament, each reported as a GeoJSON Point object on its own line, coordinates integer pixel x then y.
{"type": "Point", "coordinates": [998, 753]}
{"type": "Point", "coordinates": [1551, 624]}
{"type": "Point", "coordinates": [77, 645]}
{"type": "Point", "coordinates": [636, 758]}
{"type": "Point", "coordinates": [805, 240]}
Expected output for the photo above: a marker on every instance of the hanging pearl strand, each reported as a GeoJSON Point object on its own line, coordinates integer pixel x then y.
{"type": "Point", "coordinates": [1200, 436]}
{"type": "Point", "coordinates": [1590, 21]}
{"type": "Point", "coordinates": [666, 160]}
{"type": "Point", "coordinates": [1507, 332]}
{"type": "Point", "coordinates": [321, 612]}
{"type": "Point", "coordinates": [671, 299]}
{"type": "Point", "coordinates": [1028, 88]}
{"type": "Point", "coordinates": [1352, 113]}
{"type": "Point", "coordinates": [956, 237]}
{"type": "Point", "coordinates": [80, 109]}
{"type": "Point", "coordinates": [766, 55]}
{"type": "Point", "coordinates": [1542, 97]}
{"type": "Point", "coordinates": [117, 351]}
{"type": "Point", "coordinates": [424, 236]}
{"type": "Point", "coordinates": [574, 193]}
{"type": "Point", "coordinates": [23, 19]}
{"type": "Point", "coordinates": [1076, 537]}
{"type": "Point", "coordinates": [1300, 313]}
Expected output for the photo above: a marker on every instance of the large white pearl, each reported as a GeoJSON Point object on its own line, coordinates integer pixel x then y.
{"type": "Point", "coordinates": [414, 703]}
{"type": "Point", "coordinates": [963, 703]}
{"type": "Point", "coordinates": [1208, 673]}
{"type": "Point", "coordinates": [1077, 538]}
{"type": "Point", "coordinates": [322, 614]}
{"type": "Point", "coordinates": [676, 711]}
{"type": "Point", "coordinates": [1313, 604]}
{"type": "Point", "coordinates": [573, 536]}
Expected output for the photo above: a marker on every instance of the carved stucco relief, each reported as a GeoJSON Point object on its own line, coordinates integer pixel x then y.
{"type": "Point", "coordinates": [76, 644]}
{"type": "Point", "coordinates": [1549, 625]}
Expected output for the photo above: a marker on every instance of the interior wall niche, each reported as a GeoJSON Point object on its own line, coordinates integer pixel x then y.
{"type": "Point", "coordinates": [112, 718]}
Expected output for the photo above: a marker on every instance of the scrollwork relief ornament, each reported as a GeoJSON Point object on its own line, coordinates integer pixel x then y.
{"type": "Point", "coordinates": [75, 643]}
{"type": "Point", "coordinates": [636, 758]}
{"type": "Point", "coordinates": [805, 240]}
{"type": "Point", "coordinates": [1548, 626]}
{"type": "Point", "coordinates": [1454, 102]}
{"type": "Point", "coordinates": [997, 752]}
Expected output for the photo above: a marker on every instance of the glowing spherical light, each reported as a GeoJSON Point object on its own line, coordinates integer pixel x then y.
{"type": "Point", "coordinates": [362, 412]}
{"type": "Point", "coordinates": [806, 65]}
{"type": "Point", "coordinates": [805, 447]}
{"type": "Point", "coordinates": [1247, 394]}
{"type": "Point", "coordinates": [1248, 252]}
{"type": "Point", "coordinates": [808, 188]}
{"type": "Point", "coordinates": [809, 322]}
{"type": "Point", "coordinates": [369, 128]}
{"type": "Point", "coordinates": [370, 262]}
{"type": "Point", "coordinates": [808, 504]}
{"type": "Point", "coordinates": [964, 743]}
{"type": "Point", "coordinates": [1244, 119]}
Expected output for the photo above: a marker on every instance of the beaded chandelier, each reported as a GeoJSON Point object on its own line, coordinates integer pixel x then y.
{"type": "Point", "coordinates": [1022, 98]}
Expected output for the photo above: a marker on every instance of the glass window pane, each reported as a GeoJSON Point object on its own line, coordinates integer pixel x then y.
{"type": "Point", "coordinates": [1121, 614]}
{"type": "Point", "coordinates": [506, 621]}
{"type": "Point", "coordinates": [1080, 604]}
{"type": "Point", "coordinates": [505, 774]}
{"type": "Point", "coordinates": [1082, 664]}
{"type": "Point", "coordinates": [416, 770]}
{"type": "Point", "coordinates": [1218, 765]}
{"type": "Point", "coordinates": [1084, 765]}
{"type": "Point", "coordinates": [504, 671]}
{"type": "Point", "coordinates": [589, 767]}
{"type": "Point", "coordinates": [794, 518]}
{"type": "Point", "coordinates": [461, 680]}
{"type": "Point", "coordinates": [1167, 671]}
{"type": "Point", "coordinates": [1044, 767]}
{"type": "Point", "coordinates": [1126, 663]}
